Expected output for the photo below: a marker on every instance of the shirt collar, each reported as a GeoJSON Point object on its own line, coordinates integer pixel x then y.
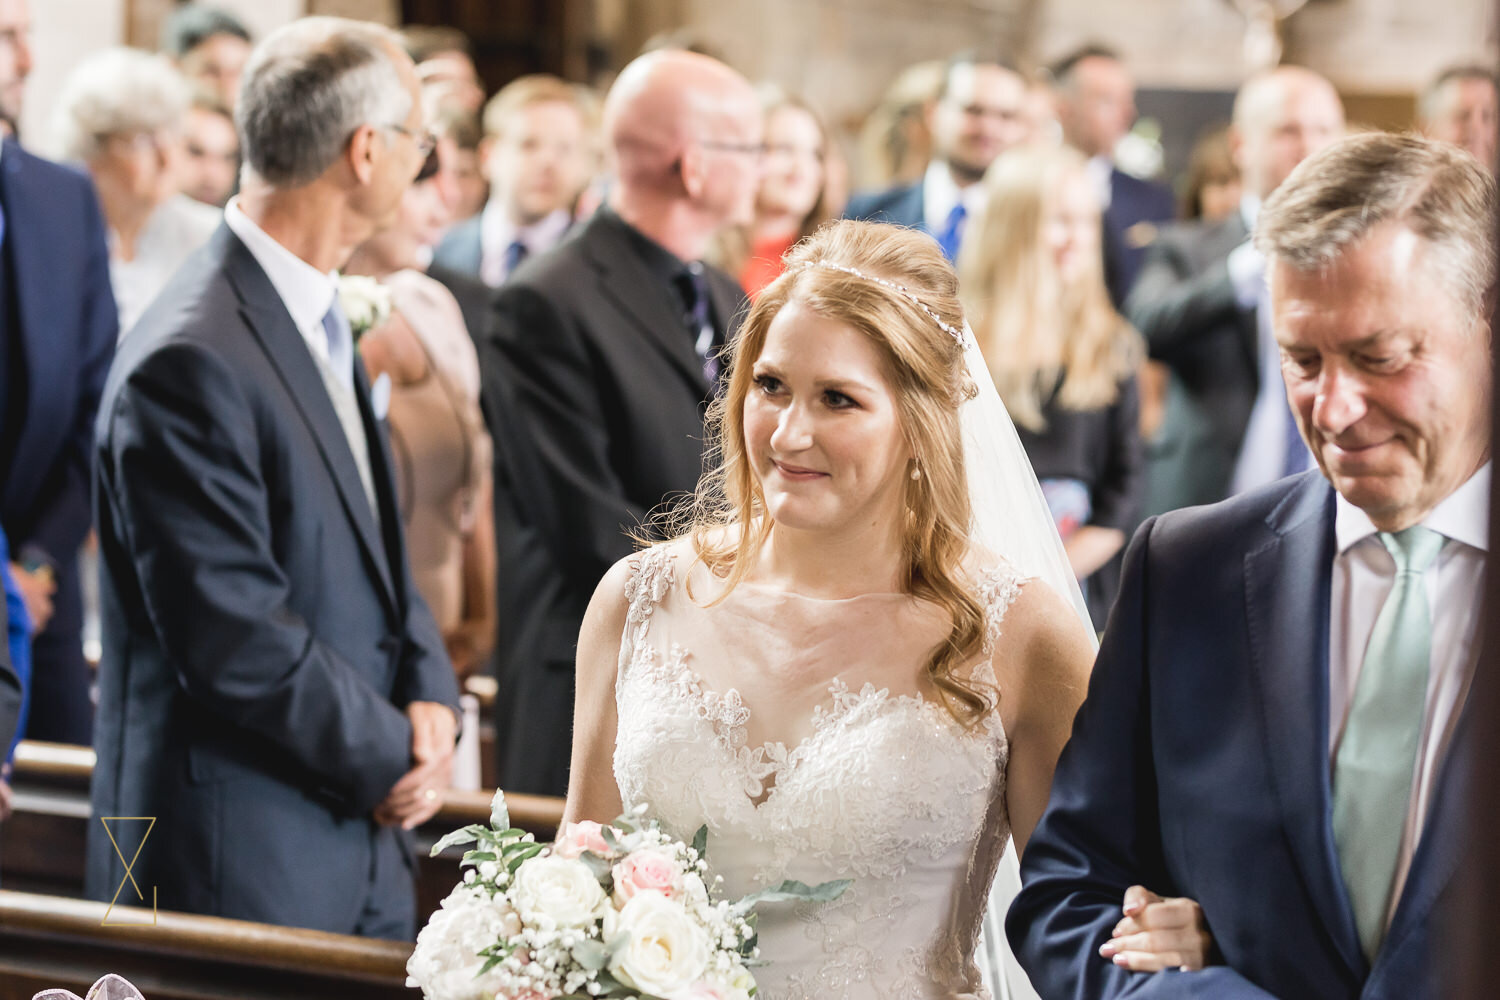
{"type": "Point", "coordinates": [1464, 516]}
{"type": "Point", "coordinates": [1249, 211]}
{"type": "Point", "coordinates": [940, 193]}
{"type": "Point", "coordinates": [497, 232]}
{"type": "Point", "coordinates": [658, 259]}
{"type": "Point", "coordinates": [307, 292]}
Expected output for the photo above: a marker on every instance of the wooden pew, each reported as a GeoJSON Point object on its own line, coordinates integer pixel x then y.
{"type": "Point", "coordinates": [47, 941]}
{"type": "Point", "coordinates": [42, 845]}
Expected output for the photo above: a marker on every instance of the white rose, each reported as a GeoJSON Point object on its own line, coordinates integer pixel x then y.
{"type": "Point", "coordinates": [665, 950]}
{"type": "Point", "coordinates": [366, 302]}
{"type": "Point", "coordinates": [557, 889]}
{"type": "Point", "coordinates": [446, 961]}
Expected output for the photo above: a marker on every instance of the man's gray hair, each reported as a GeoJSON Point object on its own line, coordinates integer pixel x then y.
{"type": "Point", "coordinates": [1337, 196]}
{"type": "Point", "coordinates": [306, 90]}
{"type": "Point", "coordinates": [117, 92]}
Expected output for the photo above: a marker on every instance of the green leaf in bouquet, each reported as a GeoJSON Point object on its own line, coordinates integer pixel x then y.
{"type": "Point", "coordinates": [467, 835]}
{"type": "Point", "coordinates": [590, 954]}
{"type": "Point", "coordinates": [516, 858]}
{"type": "Point", "coordinates": [794, 891]}
{"type": "Point", "coordinates": [599, 866]}
{"type": "Point", "coordinates": [700, 841]}
{"type": "Point", "coordinates": [474, 857]}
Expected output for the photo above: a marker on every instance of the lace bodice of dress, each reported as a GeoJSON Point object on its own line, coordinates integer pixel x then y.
{"type": "Point", "coordinates": [793, 728]}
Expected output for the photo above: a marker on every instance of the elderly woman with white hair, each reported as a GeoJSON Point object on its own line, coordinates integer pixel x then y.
{"type": "Point", "coordinates": [121, 115]}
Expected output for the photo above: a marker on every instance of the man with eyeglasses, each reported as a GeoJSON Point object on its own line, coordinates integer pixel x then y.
{"type": "Point", "coordinates": [979, 113]}
{"type": "Point", "coordinates": [597, 370]}
{"type": "Point", "coordinates": [57, 335]}
{"type": "Point", "coordinates": [273, 689]}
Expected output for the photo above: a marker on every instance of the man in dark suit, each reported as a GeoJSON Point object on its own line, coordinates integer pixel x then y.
{"type": "Point", "coordinates": [979, 113]}
{"type": "Point", "coordinates": [1199, 301]}
{"type": "Point", "coordinates": [1095, 100]}
{"type": "Point", "coordinates": [273, 689]}
{"type": "Point", "coordinates": [605, 352]}
{"type": "Point", "coordinates": [538, 151]}
{"type": "Point", "coordinates": [1273, 723]}
{"type": "Point", "coordinates": [57, 336]}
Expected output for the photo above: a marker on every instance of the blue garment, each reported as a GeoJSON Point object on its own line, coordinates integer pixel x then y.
{"type": "Point", "coordinates": [18, 640]}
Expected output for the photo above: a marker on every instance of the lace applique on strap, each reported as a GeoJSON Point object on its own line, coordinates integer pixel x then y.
{"type": "Point", "coordinates": [652, 574]}
{"type": "Point", "coordinates": [997, 590]}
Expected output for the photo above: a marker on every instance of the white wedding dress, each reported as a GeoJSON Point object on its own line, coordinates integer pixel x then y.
{"type": "Point", "coordinates": [793, 727]}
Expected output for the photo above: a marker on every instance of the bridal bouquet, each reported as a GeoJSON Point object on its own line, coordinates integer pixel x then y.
{"type": "Point", "coordinates": [604, 911]}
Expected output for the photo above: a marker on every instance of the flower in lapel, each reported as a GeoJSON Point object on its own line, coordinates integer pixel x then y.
{"type": "Point", "coordinates": [366, 302]}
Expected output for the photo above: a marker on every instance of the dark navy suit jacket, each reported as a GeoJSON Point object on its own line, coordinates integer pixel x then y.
{"type": "Point", "coordinates": [900, 206]}
{"type": "Point", "coordinates": [262, 634]}
{"type": "Point", "coordinates": [1137, 210]}
{"type": "Point", "coordinates": [57, 336]}
{"type": "Point", "coordinates": [1199, 767]}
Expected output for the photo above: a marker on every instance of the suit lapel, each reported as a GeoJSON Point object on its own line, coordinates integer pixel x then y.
{"type": "Point", "coordinates": [640, 296]}
{"type": "Point", "coordinates": [26, 219]}
{"type": "Point", "coordinates": [282, 342]}
{"type": "Point", "coordinates": [382, 472]}
{"type": "Point", "coordinates": [1286, 579]}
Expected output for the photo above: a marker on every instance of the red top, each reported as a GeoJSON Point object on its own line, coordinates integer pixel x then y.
{"type": "Point", "coordinates": [764, 265]}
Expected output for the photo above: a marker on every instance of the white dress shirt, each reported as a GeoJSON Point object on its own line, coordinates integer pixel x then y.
{"type": "Point", "coordinates": [306, 292]}
{"type": "Point", "coordinates": [941, 194]}
{"type": "Point", "coordinates": [497, 232]}
{"type": "Point", "coordinates": [1100, 170]}
{"type": "Point", "coordinates": [1363, 573]}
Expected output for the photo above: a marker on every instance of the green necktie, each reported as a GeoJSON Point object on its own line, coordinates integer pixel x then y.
{"type": "Point", "coordinates": [1372, 773]}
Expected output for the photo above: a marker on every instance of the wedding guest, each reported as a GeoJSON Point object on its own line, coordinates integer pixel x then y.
{"type": "Point", "coordinates": [121, 113]}
{"type": "Point", "coordinates": [792, 201]}
{"type": "Point", "coordinates": [1273, 722]}
{"type": "Point", "coordinates": [210, 46]}
{"type": "Point", "coordinates": [460, 172]}
{"type": "Point", "coordinates": [1462, 106]}
{"type": "Point", "coordinates": [211, 151]}
{"type": "Point", "coordinates": [445, 65]}
{"type": "Point", "coordinates": [1094, 95]}
{"type": "Point", "coordinates": [600, 361]}
{"type": "Point", "coordinates": [438, 440]}
{"type": "Point", "coordinates": [1200, 302]}
{"type": "Point", "coordinates": [895, 144]}
{"type": "Point", "coordinates": [1211, 188]}
{"type": "Point", "coordinates": [978, 114]}
{"type": "Point", "coordinates": [1064, 360]}
{"type": "Point", "coordinates": [57, 337]}
{"type": "Point", "coordinates": [273, 688]}
{"type": "Point", "coordinates": [539, 156]}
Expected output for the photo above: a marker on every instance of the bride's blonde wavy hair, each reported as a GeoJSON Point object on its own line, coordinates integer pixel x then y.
{"type": "Point", "coordinates": [926, 367]}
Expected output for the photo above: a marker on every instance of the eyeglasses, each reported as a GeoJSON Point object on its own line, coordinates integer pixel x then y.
{"type": "Point", "coordinates": [425, 140]}
{"type": "Point", "coordinates": [756, 149]}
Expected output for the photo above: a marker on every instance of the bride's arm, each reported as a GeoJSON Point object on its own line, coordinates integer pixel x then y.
{"type": "Point", "coordinates": [1042, 663]}
{"type": "Point", "coordinates": [592, 792]}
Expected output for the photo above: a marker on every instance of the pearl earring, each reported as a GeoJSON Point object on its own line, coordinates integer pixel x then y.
{"type": "Point", "coordinates": [916, 471]}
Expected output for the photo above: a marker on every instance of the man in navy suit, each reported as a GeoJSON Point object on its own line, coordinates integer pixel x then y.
{"type": "Point", "coordinates": [538, 151]}
{"type": "Point", "coordinates": [1272, 725]}
{"type": "Point", "coordinates": [1095, 99]}
{"type": "Point", "coordinates": [979, 114]}
{"type": "Point", "coordinates": [273, 689]}
{"type": "Point", "coordinates": [57, 336]}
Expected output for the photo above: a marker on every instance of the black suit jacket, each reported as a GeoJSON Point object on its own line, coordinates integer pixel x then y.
{"type": "Point", "coordinates": [900, 206]}
{"type": "Point", "coordinates": [1199, 767]}
{"type": "Point", "coordinates": [595, 400]}
{"type": "Point", "coordinates": [1184, 304]}
{"type": "Point", "coordinates": [1137, 211]}
{"type": "Point", "coordinates": [262, 634]}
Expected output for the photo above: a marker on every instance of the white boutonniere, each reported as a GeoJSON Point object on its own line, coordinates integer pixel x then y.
{"type": "Point", "coordinates": [366, 302]}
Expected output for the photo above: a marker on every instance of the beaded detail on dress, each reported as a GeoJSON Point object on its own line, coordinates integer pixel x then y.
{"type": "Point", "coordinates": [885, 788]}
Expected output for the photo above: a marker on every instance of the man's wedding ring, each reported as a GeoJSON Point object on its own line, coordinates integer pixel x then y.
{"type": "Point", "coordinates": [430, 794]}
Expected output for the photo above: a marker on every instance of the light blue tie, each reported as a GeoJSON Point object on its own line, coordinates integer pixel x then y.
{"type": "Point", "coordinates": [1372, 773]}
{"type": "Point", "coordinates": [340, 343]}
{"type": "Point", "coordinates": [953, 231]}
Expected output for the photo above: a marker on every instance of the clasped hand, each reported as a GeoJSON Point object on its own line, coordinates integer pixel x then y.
{"type": "Point", "coordinates": [1157, 934]}
{"type": "Point", "coordinates": [417, 797]}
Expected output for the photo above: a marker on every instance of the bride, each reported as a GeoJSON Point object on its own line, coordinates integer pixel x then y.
{"type": "Point", "coordinates": [850, 662]}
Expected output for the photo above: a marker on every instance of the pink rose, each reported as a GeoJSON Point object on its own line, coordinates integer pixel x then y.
{"type": "Point", "coordinates": [703, 991]}
{"type": "Point", "coordinates": [646, 870]}
{"type": "Point", "coordinates": [579, 837]}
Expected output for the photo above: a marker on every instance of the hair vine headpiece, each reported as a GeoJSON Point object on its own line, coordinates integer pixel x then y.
{"type": "Point", "coordinates": [901, 290]}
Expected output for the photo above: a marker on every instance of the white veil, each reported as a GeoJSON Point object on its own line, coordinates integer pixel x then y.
{"type": "Point", "coordinates": [1011, 518]}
